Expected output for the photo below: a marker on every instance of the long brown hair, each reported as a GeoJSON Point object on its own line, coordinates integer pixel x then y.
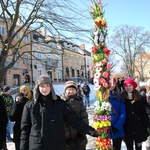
{"type": "Point", "coordinates": [136, 95]}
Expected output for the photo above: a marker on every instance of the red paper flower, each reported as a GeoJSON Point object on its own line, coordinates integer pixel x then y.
{"type": "Point", "coordinates": [106, 51]}
{"type": "Point", "coordinates": [94, 49]}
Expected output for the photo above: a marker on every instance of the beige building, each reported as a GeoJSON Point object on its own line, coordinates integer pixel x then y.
{"type": "Point", "coordinates": [73, 63]}
{"type": "Point", "coordinates": [20, 71]}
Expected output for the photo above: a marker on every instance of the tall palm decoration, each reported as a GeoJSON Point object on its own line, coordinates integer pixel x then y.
{"type": "Point", "coordinates": [102, 77]}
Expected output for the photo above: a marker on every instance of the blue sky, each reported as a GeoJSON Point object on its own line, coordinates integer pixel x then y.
{"type": "Point", "coordinates": [131, 12]}
{"type": "Point", "coordinates": [121, 12]}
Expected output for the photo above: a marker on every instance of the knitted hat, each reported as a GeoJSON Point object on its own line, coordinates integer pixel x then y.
{"type": "Point", "coordinates": [6, 88]}
{"type": "Point", "coordinates": [43, 79]}
{"type": "Point", "coordinates": [130, 81]}
{"type": "Point", "coordinates": [70, 84]}
{"type": "Point", "coordinates": [26, 88]}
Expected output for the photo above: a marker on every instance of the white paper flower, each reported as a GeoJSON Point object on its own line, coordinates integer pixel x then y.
{"type": "Point", "coordinates": [97, 75]}
{"type": "Point", "coordinates": [97, 87]}
{"type": "Point", "coordinates": [96, 105]}
{"type": "Point", "coordinates": [98, 69]}
{"type": "Point", "coordinates": [98, 64]}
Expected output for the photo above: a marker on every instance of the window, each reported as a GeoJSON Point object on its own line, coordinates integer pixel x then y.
{"type": "Point", "coordinates": [39, 72]}
{"type": "Point", "coordinates": [71, 58]}
{"type": "Point", "coordinates": [39, 56]}
{"type": "Point", "coordinates": [16, 36]}
{"type": "Point", "coordinates": [16, 56]}
{"type": "Point", "coordinates": [48, 60]}
{"type": "Point", "coordinates": [26, 58]}
{"type": "Point", "coordinates": [27, 38]}
{"type": "Point", "coordinates": [2, 30]}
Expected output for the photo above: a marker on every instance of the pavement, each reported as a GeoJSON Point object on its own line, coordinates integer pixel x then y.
{"type": "Point", "coordinates": [91, 140]}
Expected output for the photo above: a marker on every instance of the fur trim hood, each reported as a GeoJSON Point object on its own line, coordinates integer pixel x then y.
{"type": "Point", "coordinates": [43, 79]}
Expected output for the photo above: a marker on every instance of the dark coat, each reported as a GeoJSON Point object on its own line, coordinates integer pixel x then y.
{"type": "Point", "coordinates": [136, 122]}
{"type": "Point", "coordinates": [86, 89]}
{"type": "Point", "coordinates": [16, 116]}
{"type": "Point", "coordinates": [3, 122]}
{"type": "Point", "coordinates": [77, 106]}
{"type": "Point", "coordinates": [43, 124]}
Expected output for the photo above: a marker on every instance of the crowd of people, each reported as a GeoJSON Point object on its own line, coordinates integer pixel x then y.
{"type": "Point", "coordinates": [44, 119]}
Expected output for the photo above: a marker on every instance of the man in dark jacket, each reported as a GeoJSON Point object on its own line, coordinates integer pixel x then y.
{"type": "Point", "coordinates": [86, 90]}
{"type": "Point", "coordinates": [3, 123]}
{"type": "Point", "coordinates": [43, 119]}
{"type": "Point", "coordinates": [16, 116]}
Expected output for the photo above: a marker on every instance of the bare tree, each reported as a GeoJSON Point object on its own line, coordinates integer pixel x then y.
{"type": "Point", "coordinates": [127, 43]}
{"type": "Point", "coordinates": [57, 16]}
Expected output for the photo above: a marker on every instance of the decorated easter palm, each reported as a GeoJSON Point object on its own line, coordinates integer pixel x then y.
{"type": "Point", "coordinates": [102, 77]}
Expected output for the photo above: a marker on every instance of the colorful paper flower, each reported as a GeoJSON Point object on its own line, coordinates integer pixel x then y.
{"type": "Point", "coordinates": [105, 74]}
{"type": "Point", "coordinates": [97, 75]}
{"type": "Point", "coordinates": [94, 49]}
{"type": "Point", "coordinates": [98, 69]}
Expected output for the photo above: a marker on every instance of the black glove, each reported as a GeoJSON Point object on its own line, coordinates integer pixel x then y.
{"type": "Point", "coordinates": [72, 144]}
{"type": "Point", "coordinates": [114, 130]}
{"type": "Point", "coordinates": [79, 138]}
{"type": "Point", "coordinates": [94, 133]}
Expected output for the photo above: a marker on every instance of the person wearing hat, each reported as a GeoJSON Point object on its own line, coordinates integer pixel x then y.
{"type": "Point", "coordinates": [43, 118]}
{"type": "Point", "coordinates": [26, 91]}
{"type": "Point", "coordinates": [9, 102]}
{"type": "Point", "coordinates": [75, 140]}
{"type": "Point", "coordinates": [136, 122]}
{"type": "Point", "coordinates": [15, 116]}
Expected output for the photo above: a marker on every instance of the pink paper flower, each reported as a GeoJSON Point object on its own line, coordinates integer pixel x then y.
{"type": "Point", "coordinates": [102, 80]}
{"type": "Point", "coordinates": [108, 66]}
{"type": "Point", "coordinates": [105, 84]}
{"type": "Point", "coordinates": [105, 74]}
{"type": "Point", "coordinates": [104, 61]}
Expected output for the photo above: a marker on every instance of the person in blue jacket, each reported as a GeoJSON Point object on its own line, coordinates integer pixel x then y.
{"type": "Point", "coordinates": [118, 115]}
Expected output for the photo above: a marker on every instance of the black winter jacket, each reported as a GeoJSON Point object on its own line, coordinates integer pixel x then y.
{"type": "Point", "coordinates": [136, 122]}
{"type": "Point", "coordinates": [16, 115]}
{"type": "Point", "coordinates": [77, 106]}
{"type": "Point", "coordinates": [3, 122]}
{"type": "Point", "coordinates": [43, 125]}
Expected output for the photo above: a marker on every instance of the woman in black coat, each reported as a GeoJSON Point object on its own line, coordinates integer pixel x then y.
{"type": "Point", "coordinates": [3, 123]}
{"type": "Point", "coordinates": [43, 119]}
{"type": "Point", "coordinates": [136, 122]}
{"type": "Point", "coordinates": [16, 116]}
